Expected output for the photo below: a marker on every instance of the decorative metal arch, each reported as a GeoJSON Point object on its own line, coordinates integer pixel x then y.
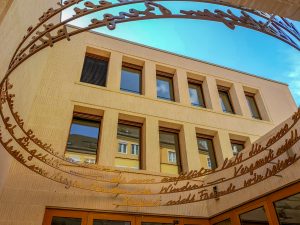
{"type": "Point", "coordinates": [41, 158]}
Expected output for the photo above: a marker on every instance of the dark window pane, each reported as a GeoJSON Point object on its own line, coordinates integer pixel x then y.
{"type": "Point", "coordinates": [206, 153]}
{"type": "Point", "coordinates": [196, 95]}
{"type": "Point", "coordinates": [65, 221]}
{"type": "Point", "coordinates": [225, 222]}
{"type": "Point", "coordinates": [83, 140]}
{"type": "Point", "coordinates": [148, 223]}
{"type": "Point", "coordinates": [236, 147]}
{"type": "Point", "coordinates": [170, 155]}
{"type": "Point", "coordinates": [131, 80]}
{"type": "Point", "coordinates": [110, 222]}
{"type": "Point", "coordinates": [288, 210]}
{"type": "Point", "coordinates": [129, 138]}
{"type": "Point", "coordinates": [94, 71]}
{"type": "Point", "coordinates": [254, 217]}
{"type": "Point", "coordinates": [225, 102]}
{"type": "Point", "coordinates": [165, 88]}
{"type": "Point", "coordinates": [253, 107]}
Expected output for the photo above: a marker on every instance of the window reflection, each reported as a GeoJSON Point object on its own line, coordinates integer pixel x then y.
{"type": "Point", "coordinates": [225, 100]}
{"type": "Point", "coordinates": [288, 210]}
{"type": "Point", "coordinates": [165, 88]}
{"type": "Point", "coordinates": [206, 152]}
{"type": "Point", "coordinates": [196, 95]}
{"type": "Point", "coordinates": [110, 222]}
{"type": "Point", "coordinates": [254, 217]}
{"type": "Point", "coordinates": [169, 150]}
{"type": "Point", "coordinates": [252, 106]}
{"type": "Point", "coordinates": [83, 139]}
{"type": "Point", "coordinates": [131, 79]}
{"type": "Point", "coordinates": [129, 138]}
{"type": "Point", "coordinates": [149, 223]}
{"type": "Point", "coordinates": [237, 146]}
{"type": "Point", "coordinates": [65, 221]}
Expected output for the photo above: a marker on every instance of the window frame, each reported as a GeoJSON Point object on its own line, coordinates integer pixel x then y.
{"type": "Point", "coordinates": [137, 150]}
{"type": "Point", "coordinates": [169, 76]}
{"type": "Point", "coordinates": [136, 68]}
{"type": "Point", "coordinates": [122, 144]}
{"type": "Point", "coordinates": [252, 95]}
{"type": "Point", "coordinates": [232, 141]}
{"type": "Point", "coordinates": [86, 116]}
{"type": "Point", "coordinates": [140, 126]}
{"type": "Point", "coordinates": [99, 57]}
{"type": "Point", "coordinates": [211, 138]}
{"type": "Point", "coordinates": [200, 85]}
{"type": "Point", "coordinates": [227, 91]}
{"type": "Point", "coordinates": [170, 161]}
{"type": "Point", "coordinates": [178, 153]}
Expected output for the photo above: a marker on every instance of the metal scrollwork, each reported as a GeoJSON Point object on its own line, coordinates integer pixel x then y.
{"type": "Point", "coordinates": [195, 186]}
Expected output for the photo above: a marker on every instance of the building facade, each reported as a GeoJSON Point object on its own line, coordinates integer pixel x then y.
{"type": "Point", "coordinates": [146, 114]}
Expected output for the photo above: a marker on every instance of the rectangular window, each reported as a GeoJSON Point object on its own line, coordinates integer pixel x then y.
{"type": "Point", "coordinates": [288, 210]}
{"type": "Point", "coordinates": [129, 137]}
{"type": "Point", "coordinates": [206, 152]}
{"type": "Point", "coordinates": [252, 106]}
{"type": "Point", "coordinates": [169, 150]}
{"type": "Point", "coordinates": [172, 157]}
{"type": "Point", "coordinates": [225, 100]}
{"type": "Point", "coordinates": [131, 78]}
{"type": "Point", "coordinates": [94, 70]}
{"type": "Point", "coordinates": [135, 149]}
{"type": "Point", "coordinates": [196, 94]}
{"type": "Point", "coordinates": [237, 146]}
{"type": "Point", "coordinates": [256, 216]}
{"type": "Point", "coordinates": [123, 148]}
{"type": "Point", "coordinates": [83, 138]}
{"type": "Point", "coordinates": [164, 85]}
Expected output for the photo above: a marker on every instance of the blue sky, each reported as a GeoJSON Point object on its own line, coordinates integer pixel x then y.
{"type": "Point", "coordinates": [241, 49]}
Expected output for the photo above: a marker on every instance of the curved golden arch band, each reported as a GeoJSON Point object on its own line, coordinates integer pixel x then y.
{"type": "Point", "coordinates": [110, 21]}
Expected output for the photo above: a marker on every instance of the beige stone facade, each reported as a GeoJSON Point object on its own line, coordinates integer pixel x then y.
{"type": "Point", "coordinates": [48, 90]}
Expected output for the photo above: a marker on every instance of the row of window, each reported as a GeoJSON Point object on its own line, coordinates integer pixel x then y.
{"type": "Point", "coordinates": [95, 72]}
{"type": "Point", "coordinates": [84, 136]}
{"type": "Point", "coordinates": [287, 212]}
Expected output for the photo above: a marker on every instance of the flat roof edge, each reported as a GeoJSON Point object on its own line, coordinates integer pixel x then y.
{"type": "Point", "coordinates": [182, 56]}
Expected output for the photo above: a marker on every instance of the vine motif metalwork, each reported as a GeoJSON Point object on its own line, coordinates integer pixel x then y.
{"type": "Point", "coordinates": [41, 158]}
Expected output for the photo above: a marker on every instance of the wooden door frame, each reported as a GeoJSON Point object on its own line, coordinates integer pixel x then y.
{"type": "Point", "coordinates": [50, 213]}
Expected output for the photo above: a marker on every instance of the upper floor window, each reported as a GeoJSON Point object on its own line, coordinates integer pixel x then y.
{"type": "Point", "coordinates": [131, 78]}
{"type": "Point", "coordinates": [237, 146]}
{"type": "Point", "coordinates": [252, 105]}
{"type": "Point", "coordinates": [196, 94]}
{"type": "Point", "coordinates": [94, 70]}
{"type": "Point", "coordinates": [164, 83]}
{"type": "Point", "coordinates": [169, 151]}
{"type": "Point", "coordinates": [83, 138]}
{"type": "Point", "coordinates": [122, 148]}
{"type": "Point", "coordinates": [129, 139]}
{"type": "Point", "coordinates": [206, 151]}
{"type": "Point", "coordinates": [172, 157]}
{"type": "Point", "coordinates": [225, 100]}
{"type": "Point", "coordinates": [135, 149]}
